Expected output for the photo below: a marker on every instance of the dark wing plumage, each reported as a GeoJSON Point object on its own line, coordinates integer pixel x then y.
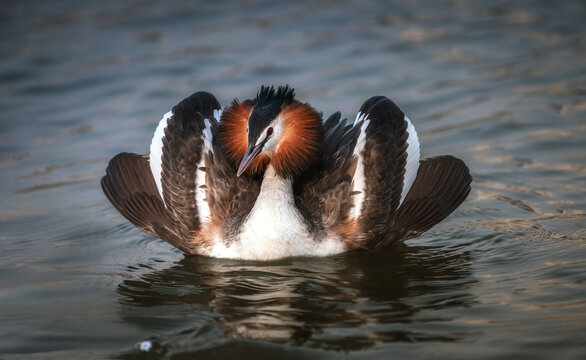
{"type": "Point", "coordinates": [131, 188]}
{"type": "Point", "coordinates": [171, 212]}
{"type": "Point", "coordinates": [384, 159]}
{"type": "Point", "coordinates": [399, 205]}
{"type": "Point", "coordinates": [355, 189]}
{"type": "Point", "coordinates": [230, 197]}
{"type": "Point", "coordinates": [324, 192]}
{"type": "Point", "coordinates": [368, 187]}
{"type": "Point", "coordinates": [183, 147]}
{"type": "Point", "coordinates": [441, 185]}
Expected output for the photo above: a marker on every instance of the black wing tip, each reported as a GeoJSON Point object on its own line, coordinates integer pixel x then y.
{"type": "Point", "coordinates": [443, 183]}
{"type": "Point", "coordinates": [129, 186]}
{"type": "Point", "coordinates": [381, 107]}
{"type": "Point", "coordinates": [116, 183]}
{"type": "Point", "coordinates": [334, 118]}
{"type": "Point", "coordinates": [443, 175]}
{"type": "Point", "coordinates": [126, 180]}
{"type": "Point", "coordinates": [372, 101]}
{"type": "Point", "coordinates": [385, 118]}
{"type": "Point", "coordinates": [104, 184]}
{"type": "Point", "coordinates": [120, 157]}
{"type": "Point", "coordinates": [457, 164]}
{"type": "Point", "coordinates": [202, 96]}
{"type": "Point", "coordinates": [201, 102]}
{"type": "Point", "coordinates": [375, 101]}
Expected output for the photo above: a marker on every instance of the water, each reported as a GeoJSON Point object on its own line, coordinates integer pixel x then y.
{"type": "Point", "coordinates": [501, 85]}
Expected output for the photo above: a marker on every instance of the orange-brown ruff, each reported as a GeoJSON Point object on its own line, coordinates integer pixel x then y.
{"type": "Point", "coordinates": [267, 178]}
{"type": "Point", "coordinates": [299, 145]}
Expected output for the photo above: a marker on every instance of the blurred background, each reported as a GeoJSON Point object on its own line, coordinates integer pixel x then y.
{"type": "Point", "coordinates": [499, 84]}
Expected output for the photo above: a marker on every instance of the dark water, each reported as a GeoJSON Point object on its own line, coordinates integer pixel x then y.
{"type": "Point", "coordinates": [500, 84]}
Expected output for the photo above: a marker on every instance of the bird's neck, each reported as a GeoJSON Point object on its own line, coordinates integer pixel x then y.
{"type": "Point", "coordinates": [274, 183]}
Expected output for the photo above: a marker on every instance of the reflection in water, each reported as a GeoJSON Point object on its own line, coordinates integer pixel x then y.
{"type": "Point", "coordinates": [347, 302]}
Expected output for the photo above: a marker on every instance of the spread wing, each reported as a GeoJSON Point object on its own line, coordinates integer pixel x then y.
{"type": "Point", "coordinates": [166, 194]}
{"type": "Point", "coordinates": [186, 137]}
{"type": "Point", "coordinates": [400, 197]}
{"type": "Point", "coordinates": [441, 185]}
{"type": "Point", "coordinates": [324, 193]}
{"type": "Point", "coordinates": [229, 197]}
{"type": "Point", "coordinates": [369, 186]}
{"type": "Point", "coordinates": [359, 183]}
{"type": "Point", "coordinates": [388, 155]}
{"type": "Point", "coordinates": [131, 188]}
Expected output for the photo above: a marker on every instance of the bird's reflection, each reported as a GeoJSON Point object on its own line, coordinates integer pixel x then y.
{"type": "Point", "coordinates": [346, 302]}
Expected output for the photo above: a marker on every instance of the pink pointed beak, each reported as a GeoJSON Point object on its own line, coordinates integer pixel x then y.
{"type": "Point", "coordinates": [250, 154]}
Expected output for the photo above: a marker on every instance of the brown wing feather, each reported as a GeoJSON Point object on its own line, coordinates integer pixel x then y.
{"type": "Point", "coordinates": [182, 151]}
{"type": "Point", "coordinates": [441, 185]}
{"type": "Point", "coordinates": [131, 188]}
{"type": "Point", "coordinates": [384, 157]}
{"type": "Point", "coordinates": [231, 198]}
{"type": "Point", "coordinates": [323, 194]}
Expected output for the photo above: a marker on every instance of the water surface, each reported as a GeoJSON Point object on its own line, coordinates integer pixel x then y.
{"type": "Point", "coordinates": [501, 85]}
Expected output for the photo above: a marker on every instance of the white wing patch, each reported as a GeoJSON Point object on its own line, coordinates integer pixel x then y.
{"type": "Point", "coordinates": [155, 160]}
{"type": "Point", "coordinates": [157, 151]}
{"type": "Point", "coordinates": [412, 164]}
{"type": "Point", "coordinates": [207, 135]}
{"type": "Point", "coordinates": [203, 208]}
{"type": "Point", "coordinates": [359, 184]}
{"type": "Point", "coordinates": [218, 114]}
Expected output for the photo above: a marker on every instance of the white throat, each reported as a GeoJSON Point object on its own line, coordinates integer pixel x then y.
{"type": "Point", "coordinates": [274, 228]}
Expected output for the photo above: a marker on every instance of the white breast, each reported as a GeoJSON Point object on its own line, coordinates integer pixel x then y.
{"type": "Point", "coordinates": [274, 228]}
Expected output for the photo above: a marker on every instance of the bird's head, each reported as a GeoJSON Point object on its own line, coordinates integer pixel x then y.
{"type": "Point", "coordinates": [273, 128]}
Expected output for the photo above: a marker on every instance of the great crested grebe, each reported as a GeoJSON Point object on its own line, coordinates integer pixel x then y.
{"type": "Point", "coordinates": [267, 179]}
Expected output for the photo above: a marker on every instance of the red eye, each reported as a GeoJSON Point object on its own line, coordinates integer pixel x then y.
{"type": "Point", "coordinates": [270, 131]}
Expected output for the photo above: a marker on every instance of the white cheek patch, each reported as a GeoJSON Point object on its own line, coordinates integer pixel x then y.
{"type": "Point", "coordinates": [273, 142]}
{"type": "Point", "coordinates": [156, 151]}
{"type": "Point", "coordinates": [359, 183]}
{"type": "Point", "coordinates": [262, 136]}
{"type": "Point", "coordinates": [412, 164]}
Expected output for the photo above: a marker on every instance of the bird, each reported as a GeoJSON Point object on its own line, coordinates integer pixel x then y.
{"type": "Point", "coordinates": [267, 178]}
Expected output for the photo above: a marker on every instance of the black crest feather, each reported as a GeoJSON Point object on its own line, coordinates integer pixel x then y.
{"type": "Point", "coordinates": [267, 106]}
{"type": "Point", "coordinates": [267, 95]}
